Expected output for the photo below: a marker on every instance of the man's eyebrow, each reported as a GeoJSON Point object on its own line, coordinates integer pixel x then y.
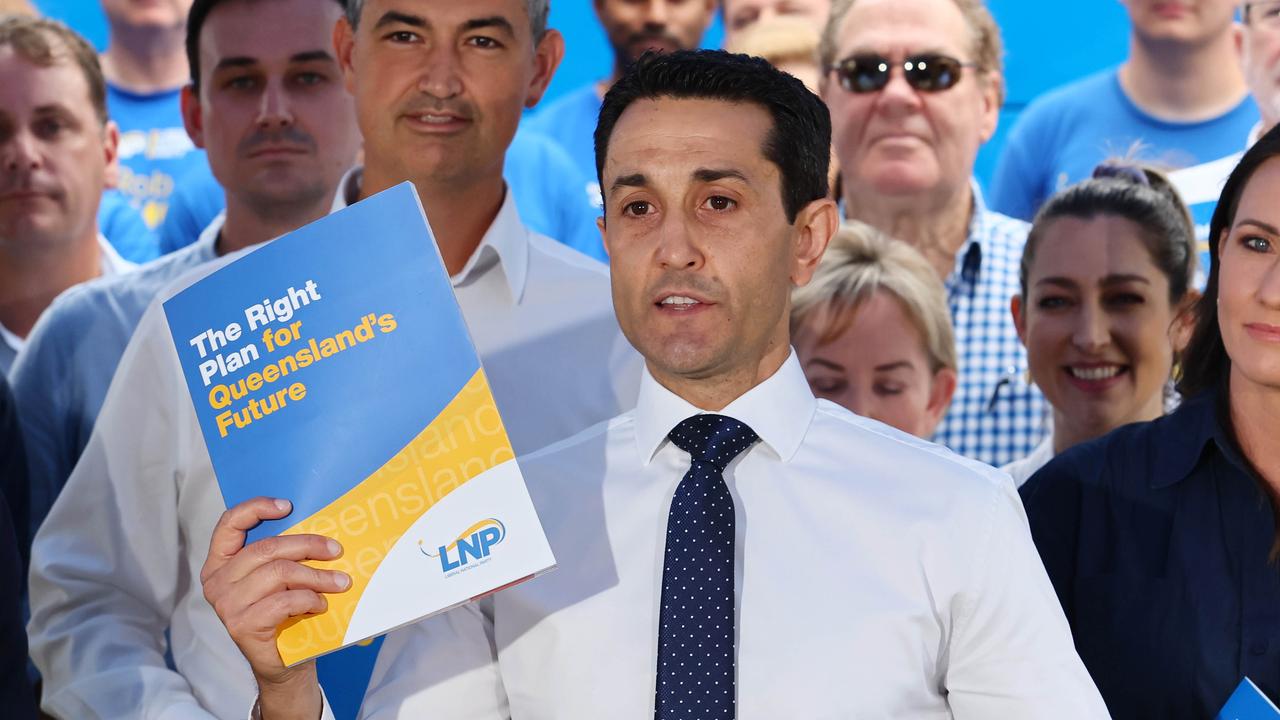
{"type": "Point", "coordinates": [234, 62]}
{"type": "Point", "coordinates": [632, 180]}
{"type": "Point", "coordinates": [707, 175]}
{"type": "Point", "coordinates": [493, 21]}
{"type": "Point", "coordinates": [392, 17]}
{"type": "Point", "coordinates": [312, 56]}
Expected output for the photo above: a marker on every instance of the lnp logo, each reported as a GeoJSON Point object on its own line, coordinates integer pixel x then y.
{"type": "Point", "coordinates": [472, 545]}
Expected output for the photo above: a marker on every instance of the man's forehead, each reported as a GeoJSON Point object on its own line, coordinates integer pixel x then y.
{"type": "Point", "coordinates": [911, 25]}
{"type": "Point", "coordinates": [59, 83]}
{"type": "Point", "coordinates": [447, 12]}
{"type": "Point", "coordinates": [253, 30]}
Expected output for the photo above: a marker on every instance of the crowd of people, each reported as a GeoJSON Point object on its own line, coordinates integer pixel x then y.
{"type": "Point", "coordinates": [973, 457]}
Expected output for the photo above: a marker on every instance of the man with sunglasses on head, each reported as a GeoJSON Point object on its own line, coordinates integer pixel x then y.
{"type": "Point", "coordinates": [1178, 100]}
{"type": "Point", "coordinates": [915, 88]}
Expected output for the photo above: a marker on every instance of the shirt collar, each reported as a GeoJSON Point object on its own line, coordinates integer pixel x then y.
{"type": "Point", "coordinates": [969, 256]}
{"type": "Point", "coordinates": [112, 263]}
{"type": "Point", "coordinates": [14, 342]}
{"type": "Point", "coordinates": [207, 243]}
{"type": "Point", "coordinates": [507, 239]}
{"type": "Point", "coordinates": [779, 410]}
{"type": "Point", "coordinates": [1196, 426]}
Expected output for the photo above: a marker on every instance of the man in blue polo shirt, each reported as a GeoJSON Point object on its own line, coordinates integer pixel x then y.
{"type": "Point", "coordinates": [1178, 100]}
{"type": "Point", "coordinates": [632, 28]}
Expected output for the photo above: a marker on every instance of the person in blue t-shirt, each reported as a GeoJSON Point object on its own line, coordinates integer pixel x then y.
{"type": "Point", "coordinates": [632, 28]}
{"type": "Point", "coordinates": [145, 65]}
{"type": "Point", "coordinates": [1201, 184]}
{"type": "Point", "coordinates": [1179, 100]}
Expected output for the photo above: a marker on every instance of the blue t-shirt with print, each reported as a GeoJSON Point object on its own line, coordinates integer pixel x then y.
{"type": "Point", "coordinates": [571, 122]}
{"type": "Point", "coordinates": [1062, 136]}
{"type": "Point", "coordinates": [155, 149]}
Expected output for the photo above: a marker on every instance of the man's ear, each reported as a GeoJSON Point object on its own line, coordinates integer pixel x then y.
{"type": "Point", "coordinates": [815, 225]}
{"type": "Point", "coordinates": [344, 43]}
{"type": "Point", "coordinates": [192, 119]}
{"type": "Point", "coordinates": [111, 155]}
{"type": "Point", "coordinates": [604, 236]}
{"type": "Point", "coordinates": [546, 58]}
{"type": "Point", "coordinates": [992, 87]}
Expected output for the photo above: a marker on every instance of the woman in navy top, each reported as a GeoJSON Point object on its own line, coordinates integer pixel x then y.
{"type": "Point", "coordinates": [1160, 538]}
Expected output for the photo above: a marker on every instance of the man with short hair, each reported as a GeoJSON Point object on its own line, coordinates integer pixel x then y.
{"type": "Point", "coordinates": [58, 152]}
{"type": "Point", "coordinates": [267, 101]}
{"type": "Point", "coordinates": [680, 593]}
{"type": "Point", "coordinates": [1178, 100]}
{"type": "Point", "coordinates": [438, 87]}
{"type": "Point", "coordinates": [915, 91]}
{"type": "Point", "coordinates": [146, 67]}
{"type": "Point", "coordinates": [631, 28]}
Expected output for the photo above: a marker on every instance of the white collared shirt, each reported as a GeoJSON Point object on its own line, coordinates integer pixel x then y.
{"type": "Point", "coordinates": [117, 561]}
{"type": "Point", "coordinates": [878, 576]}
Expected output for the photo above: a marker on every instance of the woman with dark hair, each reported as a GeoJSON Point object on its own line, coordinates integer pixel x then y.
{"type": "Point", "coordinates": [1106, 274]}
{"type": "Point", "coordinates": [1160, 538]}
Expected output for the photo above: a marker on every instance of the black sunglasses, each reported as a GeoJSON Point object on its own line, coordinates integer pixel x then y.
{"type": "Point", "coordinates": [927, 72]}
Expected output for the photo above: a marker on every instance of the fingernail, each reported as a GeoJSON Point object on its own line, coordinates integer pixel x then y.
{"type": "Point", "coordinates": [283, 504]}
{"type": "Point", "coordinates": [334, 548]}
{"type": "Point", "coordinates": [342, 580]}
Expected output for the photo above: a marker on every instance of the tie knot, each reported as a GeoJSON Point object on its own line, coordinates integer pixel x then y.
{"type": "Point", "coordinates": [716, 439]}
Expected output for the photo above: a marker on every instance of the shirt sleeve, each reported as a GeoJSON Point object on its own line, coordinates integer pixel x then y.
{"type": "Point", "coordinates": [1011, 652]}
{"type": "Point", "coordinates": [42, 387]}
{"type": "Point", "coordinates": [443, 667]}
{"type": "Point", "coordinates": [106, 569]}
{"type": "Point", "coordinates": [1018, 185]}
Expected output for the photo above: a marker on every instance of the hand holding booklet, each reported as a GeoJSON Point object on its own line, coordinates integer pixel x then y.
{"type": "Point", "coordinates": [332, 367]}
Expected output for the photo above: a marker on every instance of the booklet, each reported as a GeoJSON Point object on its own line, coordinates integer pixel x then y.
{"type": "Point", "coordinates": [332, 367]}
{"type": "Point", "coordinates": [1248, 703]}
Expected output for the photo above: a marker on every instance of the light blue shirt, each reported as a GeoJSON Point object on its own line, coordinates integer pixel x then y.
{"type": "Point", "coordinates": [61, 376]}
{"type": "Point", "coordinates": [1062, 136]}
{"type": "Point", "coordinates": [571, 122]}
{"type": "Point", "coordinates": [996, 416]}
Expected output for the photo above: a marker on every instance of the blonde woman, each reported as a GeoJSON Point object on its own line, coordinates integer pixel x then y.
{"type": "Point", "coordinates": [873, 334]}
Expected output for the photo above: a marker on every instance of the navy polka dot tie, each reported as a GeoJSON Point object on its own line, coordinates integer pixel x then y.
{"type": "Point", "coordinates": [695, 628]}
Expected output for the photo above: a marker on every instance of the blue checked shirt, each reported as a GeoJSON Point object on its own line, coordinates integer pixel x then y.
{"type": "Point", "coordinates": [996, 416]}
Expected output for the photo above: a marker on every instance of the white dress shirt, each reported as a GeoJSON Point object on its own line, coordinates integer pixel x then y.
{"type": "Point", "coordinates": [879, 576]}
{"type": "Point", "coordinates": [118, 559]}
{"type": "Point", "coordinates": [1022, 470]}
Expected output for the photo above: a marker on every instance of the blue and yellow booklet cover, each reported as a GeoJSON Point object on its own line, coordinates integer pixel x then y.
{"type": "Point", "coordinates": [1248, 703]}
{"type": "Point", "coordinates": [332, 367]}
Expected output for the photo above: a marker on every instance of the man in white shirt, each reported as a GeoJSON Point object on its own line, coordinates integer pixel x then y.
{"type": "Point", "coordinates": [134, 519]}
{"type": "Point", "coordinates": [732, 547]}
{"type": "Point", "coordinates": [57, 155]}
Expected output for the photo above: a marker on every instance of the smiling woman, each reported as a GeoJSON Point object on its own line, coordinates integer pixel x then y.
{"type": "Point", "coordinates": [1161, 537]}
{"type": "Point", "coordinates": [1105, 275]}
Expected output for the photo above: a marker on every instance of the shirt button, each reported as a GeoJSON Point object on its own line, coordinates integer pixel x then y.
{"type": "Point", "coordinates": [1258, 647]}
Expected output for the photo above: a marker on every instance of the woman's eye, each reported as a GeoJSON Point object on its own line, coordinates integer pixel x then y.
{"type": "Point", "coordinates": [887, 389]}
{"type": "Point", "coordinates": [827, 386]}
{"type": "Point", "coordinates": [1256, 243]}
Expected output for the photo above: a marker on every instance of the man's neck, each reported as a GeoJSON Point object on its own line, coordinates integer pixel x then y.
{"type": "Point", "coordinates": [714, 394]}
{"type": "Point", "coordinates": [146, 60]}
{"type": "Point", "coordinates": [1182, 83]}
{"type": "Point", "coordinates": [937, 228]}
{"type": "Point", "coordinates": [460, 213]}
{"type": "Point", "coordinates": [243, 227]}
{"type": "Point", "coordinates": [29, 281]}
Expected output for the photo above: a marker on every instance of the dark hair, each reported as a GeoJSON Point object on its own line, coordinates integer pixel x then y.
{"type": "Point", "coordinates": [37, 41]}
{"type": "Point", "coordinates": [200, 10]}
{"type": "Point", "coordinates": [799, 142]}
{"type": "Point", "coordinates": [1138, 194]}
{"type": "Point", "coordinates": [1205, 364]}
